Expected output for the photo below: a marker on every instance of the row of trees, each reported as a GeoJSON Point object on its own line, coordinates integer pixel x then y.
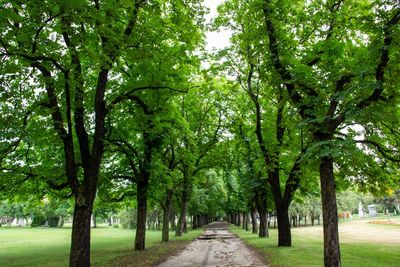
{"type": "Point", "coordinates": [109, 101]}
{"type": "Point", "coordinates": [94, 105]}
{"type": "Point", "coordinates": [320, 83]}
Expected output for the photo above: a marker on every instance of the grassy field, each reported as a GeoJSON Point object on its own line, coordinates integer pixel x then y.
{"type": "Point", "coordinates": [307, 249]}
{"type": "Point", "coordinates": [110, 247]}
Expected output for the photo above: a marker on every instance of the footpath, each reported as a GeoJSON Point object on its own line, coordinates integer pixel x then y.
{"type": "Point", "coordinates": [216, 247]}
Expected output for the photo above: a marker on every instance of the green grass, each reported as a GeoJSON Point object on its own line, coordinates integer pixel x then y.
{"type": "Point", "coordinates": [50, 246]}
{"type": "Point", "coordinates": [308, 251]}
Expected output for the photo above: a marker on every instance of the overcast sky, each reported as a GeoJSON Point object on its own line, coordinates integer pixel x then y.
{"type": "Point", "coordinates": [215, 39]}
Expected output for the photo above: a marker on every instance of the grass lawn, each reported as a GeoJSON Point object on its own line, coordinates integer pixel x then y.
{"type": "Point", "coordinates": [307, 250]}
{"type": "Point", "coordinates": [110, 247]}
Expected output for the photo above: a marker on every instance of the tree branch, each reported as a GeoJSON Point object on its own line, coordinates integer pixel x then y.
{"type": "Point", "coordinates": [57, 187]}
{"type": "Point", "coordinates": [385, 152]}
{"type": "Point", "coordinates": [382, 64]}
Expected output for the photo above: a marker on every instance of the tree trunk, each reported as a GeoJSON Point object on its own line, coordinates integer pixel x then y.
{"type": "Point", "coordinates": [185, 199]}
{"type": "Point", "coordinates": [254, 229]}
{"type": "Point", "coordinates": [244, 221]}
{"type": "Point", "coordinates": [329, 213]}
{"type": "Point", "coordinates": [166, 215]}
{"type": "Point", "coordinates": [172, 218]}
{"type": "Point", "coordinates": [94, 219]}
{"type": "Point", "coordinates": [247, 221]}
{"type": "Point", "coordinates": [182, 217]}
{"type": "Point", "coordinates": [263, 231]}
{"type": "Point", "coordinates": [262, 211]}
{"type": "Point", "coordinates": [194, 222]}
{"type": "Point", "coordinates": [80, 237]}
{"type": "Point", "coordinates": [141, 215]}
{"type": "Point", "coordinates": [60, 221]}
{"type": "Point", "coordinates": [312, 218]}
{"type": "Point", "coordinates": [284, 234]}
{"type": "Point", "coordinates": [185, 226]}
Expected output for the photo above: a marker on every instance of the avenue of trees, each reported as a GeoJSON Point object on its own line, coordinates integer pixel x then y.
{"type": "Point", "coordinates": [116, 106]}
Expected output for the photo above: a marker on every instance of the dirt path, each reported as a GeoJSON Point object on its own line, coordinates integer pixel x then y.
{"type": "Point", "coordinates": [217, 247]}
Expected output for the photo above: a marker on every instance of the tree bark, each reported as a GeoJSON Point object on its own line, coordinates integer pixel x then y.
{"type": "Point", "coordinates": [284, 232]}
{"type": "Point", "coordinates": [194, 222]}
{"type": "Point", "coordinates": [172, 220]}
{"type": "Point", "coordinates": [182, 217]}
{"type": "Point", "coordinates": [254, 221]}
{"type": "Point", "coordinates": [94, 218]}
{"type": "Point", "coordinates": [80, 237]}
{"type": "Point", "coordinates": [185, 199]}
{"type": "Point", "coordinates": [166, 215]}
{"type": "Point", "coordinates": [141, 216]}
{"type": "Point", "coordinates": [329, 213]}
{"type": "Point", "coordinates": [247, 221]}
{"type": "Point", "coordinates": [60, 221]}
{"type": "Point", "coordinates": [312, 218]}
{"type": "Point", "coordinates": [262, 211]}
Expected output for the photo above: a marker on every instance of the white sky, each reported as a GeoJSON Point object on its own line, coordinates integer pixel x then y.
{"type": "Point", "coordinates": [220, 39]}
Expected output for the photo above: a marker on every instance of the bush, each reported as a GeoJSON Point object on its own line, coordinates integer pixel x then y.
{"type": "Point", "coordinates": [38, 220]}
{"type": "Point", "coordinates": [127, 218]}
{"type": "Point", "coordinates": [52, 221]}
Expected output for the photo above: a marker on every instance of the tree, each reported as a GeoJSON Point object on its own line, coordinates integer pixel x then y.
{"type": "Point", "coordinates": [275, 127]}
{"type": "Point", "coordinates": [332, 69]}
{"type": "Point", "coordinates": [203, 109]}
{"type": "Point", "coordinates": [44, 37]}
{"type": "Point", "coordinates": [75, 53]}
{"type": "Point", "coordinates": [253, 177]}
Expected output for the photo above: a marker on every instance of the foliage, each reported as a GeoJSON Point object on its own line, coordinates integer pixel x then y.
{"type": "Point", "coordinates": [127, 218]}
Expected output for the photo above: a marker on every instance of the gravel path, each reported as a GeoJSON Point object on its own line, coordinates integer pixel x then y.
{"type": "Point", "coordinates": [216, 247]}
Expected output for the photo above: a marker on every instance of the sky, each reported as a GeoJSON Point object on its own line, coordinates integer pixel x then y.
{"type": "Point", "coordinates": [215, 40]}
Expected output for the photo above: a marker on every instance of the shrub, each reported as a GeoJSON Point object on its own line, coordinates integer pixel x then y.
{"type": "Point", "coordinates": [38, 220]}
{"type": "Point", "coordinates": [127, 218]}
{"type": "Point", "coordinates": [52, 221]}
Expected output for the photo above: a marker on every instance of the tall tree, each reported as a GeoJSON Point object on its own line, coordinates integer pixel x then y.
{"type": "Point", "coordinates": [275, 127]}
{"type": "Point", "coordinates": [333, 68]}
{"type": "Point", "coordinates": [58, 40]}
{"type": "Point", "coordinates": [76, 54]}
